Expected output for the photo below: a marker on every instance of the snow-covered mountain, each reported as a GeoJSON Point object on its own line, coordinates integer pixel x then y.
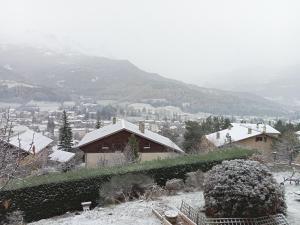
{"type": "Point", "coordinates": [101, 78]}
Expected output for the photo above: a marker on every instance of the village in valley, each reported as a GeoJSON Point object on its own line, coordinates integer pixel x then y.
{"type": "Point", "coordinates": [36, 128]}
{"type": "Point", "coordinates": [40, 139]}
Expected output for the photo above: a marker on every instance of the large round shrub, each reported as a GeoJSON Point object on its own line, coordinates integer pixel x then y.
{"type": "Point", "coordinates": [242, 188]}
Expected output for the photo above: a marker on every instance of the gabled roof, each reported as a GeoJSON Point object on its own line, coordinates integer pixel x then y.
{"type": "Point", "coordinates": [239, 131]}
{"type": "Point", "coordinates": [130, 127]}
{"type": "Point", "coordinates": [28, 138]}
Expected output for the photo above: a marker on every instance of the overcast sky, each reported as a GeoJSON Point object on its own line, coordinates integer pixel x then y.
{"type": "Point", "coordinates": [189, 40]}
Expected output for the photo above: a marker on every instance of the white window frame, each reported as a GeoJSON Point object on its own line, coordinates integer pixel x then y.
{"type": "Point", "coordinates": [148, 146]}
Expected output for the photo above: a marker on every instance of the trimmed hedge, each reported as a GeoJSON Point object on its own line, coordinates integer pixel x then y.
{"type": "Point", "coordinates": [52, 195]}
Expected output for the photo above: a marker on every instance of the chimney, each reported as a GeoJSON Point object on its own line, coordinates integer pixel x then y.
{"type": "Point", "coordinates": [249, 130]}
{"type": "Point", "coordinates": [142, 126]}
{"type": "Point", "coordinates": [265, 129]}
{"type": "Point", "coordinates": [218, 135]}
{"type": "Point", "coordinates": [33, 149]}
{"type": "Point", "coordinates": [228, 138]}
{"type": "Point", "coordinates": [114, 120]}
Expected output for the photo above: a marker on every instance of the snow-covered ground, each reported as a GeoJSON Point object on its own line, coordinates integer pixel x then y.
{"type": "Point", "coordinates": [139, 212]}
{"type": "Point", "coordinates": [293, 211]}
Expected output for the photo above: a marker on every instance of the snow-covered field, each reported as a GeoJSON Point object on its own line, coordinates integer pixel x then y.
{"type": "Point", "coordinates": [139, 212]}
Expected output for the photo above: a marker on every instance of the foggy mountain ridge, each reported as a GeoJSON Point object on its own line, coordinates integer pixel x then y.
{"type": "Point", "coordinates": [278, 84]}
{"type": "Point", "coordinates": [63, 75]}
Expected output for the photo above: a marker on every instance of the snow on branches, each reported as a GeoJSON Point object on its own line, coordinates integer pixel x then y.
{"type": "Point", "coordinates": [242, 188]}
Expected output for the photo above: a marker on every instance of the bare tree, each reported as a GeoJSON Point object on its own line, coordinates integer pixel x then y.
{"type": "Point", "coordinates": [11, 157]}
{"type": "Point", "coordinates": [9, 160]}
{"type": "Point", "coordinates": [131, 150]}
{"type": "Point", "coordinates": [128, 154]}
{"type": "Point", "coordinates": [287, 147]}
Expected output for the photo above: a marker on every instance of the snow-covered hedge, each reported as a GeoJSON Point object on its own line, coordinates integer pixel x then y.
{"type": "Point", "coordinates": [52, 195]}
{"type": "Point", "coordinates": [242, 188]}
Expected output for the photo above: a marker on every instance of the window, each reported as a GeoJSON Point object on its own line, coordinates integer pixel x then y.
{"type": "Point", "coordinates": [105, 147]}
{"type": "Point", "coordinates": [147, 146]}
{"type": "Point", "coordinates": [258, 139]}
{"type": "Point", "coordinates": [118, 147]}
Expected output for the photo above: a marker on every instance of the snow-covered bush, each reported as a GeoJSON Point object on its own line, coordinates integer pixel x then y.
{"type": "Point", "coordinates": [153, 192]}
{"type": "Point", "coordinates": [242, 188]}
{"type": "Point", "coordinates": [125, 187]}
{"type": "Point", "coordinates": [174, 185]}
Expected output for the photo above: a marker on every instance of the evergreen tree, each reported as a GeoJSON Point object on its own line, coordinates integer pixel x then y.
{"type": "Point", "coordinates": [279, 125]}
{"type": "Point", "coordinates": [195, 131]}
{"type": "Point", "coordinates": [65, 134]}
{"type": "Point", "coordinates": [167, 132]}
{"type": "Point", "coordinates": [50, 125]}
{"type": "Point", "coordinates": [108, 112]}
{"type": "Point", "coordinates": [283, 127]}
{"type": "Point", "coordinates": [192, 136]}
{"type": "Point", "coordinates": [98, 124]}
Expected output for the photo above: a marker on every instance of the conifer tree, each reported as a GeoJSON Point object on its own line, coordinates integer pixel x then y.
{"type": "Point", "coordinates": [98, 124]}
{"type": "Point", "coordinates": [50, 125]}
{"type": "Point", "coordinates": [65, 134]}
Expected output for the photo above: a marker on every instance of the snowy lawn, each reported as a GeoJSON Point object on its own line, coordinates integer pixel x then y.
{"type": "Point", "coordinates": [139, 212]}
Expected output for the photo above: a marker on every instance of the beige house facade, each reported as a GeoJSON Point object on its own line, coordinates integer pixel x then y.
{"type": "Point", "coordinates": [259, 137]}
{"type": "Point", "coordinates": [93, 160]}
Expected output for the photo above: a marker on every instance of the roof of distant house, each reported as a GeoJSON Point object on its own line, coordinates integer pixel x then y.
{"type": "Point", "coordinates": [29, 138]}
{"type": "Point", "coordinates": [240, 131]}
{"type": "Point", "coordinates": [125, 125]}
{"type": "Point", "coordinates": [60, 155]}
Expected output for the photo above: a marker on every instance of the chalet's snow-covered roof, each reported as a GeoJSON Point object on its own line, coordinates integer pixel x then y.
{"type": "Point", "coordinates": [258, 127]}
{"type": "Point", "coordinates": [125, 125]}
{"type": "Point", "coordinates": [61, 156]}
{"type": "Point", "coordinates": [28, 138]}
{"type": "Point", "coordinates": [240, 131]}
